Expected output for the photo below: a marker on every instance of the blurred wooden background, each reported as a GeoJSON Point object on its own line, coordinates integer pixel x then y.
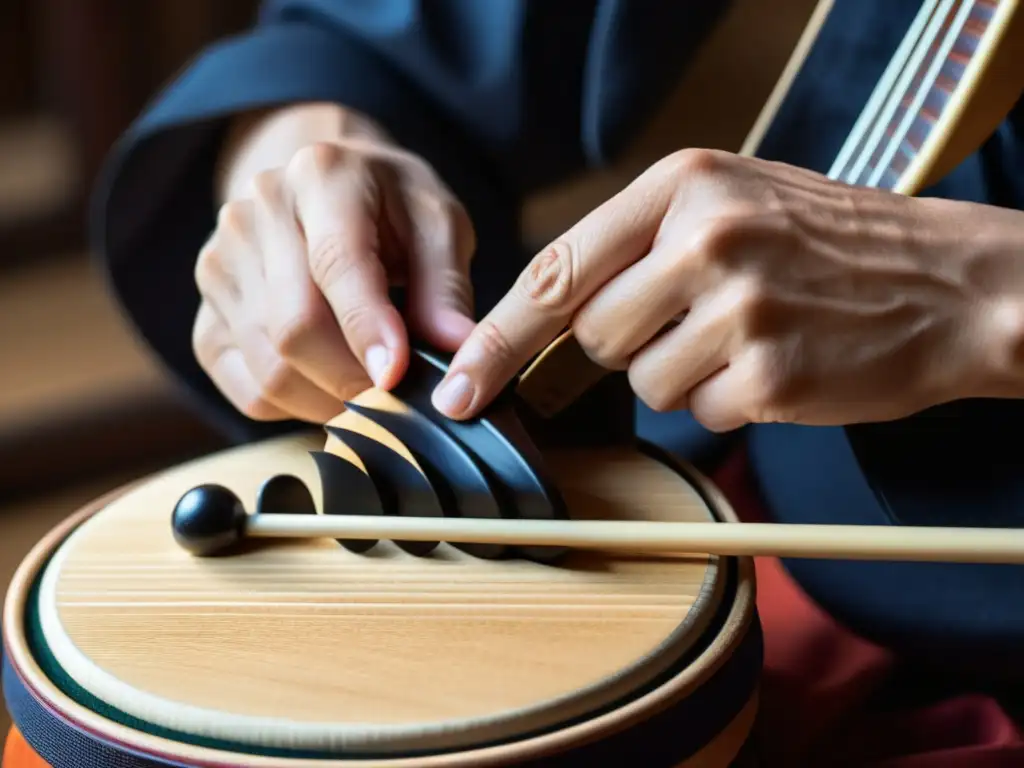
{"type": "Point", "coordinates": [82, 407]}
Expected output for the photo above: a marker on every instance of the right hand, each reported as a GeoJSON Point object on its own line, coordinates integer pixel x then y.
{"type": "Point", "coordinates": [295, 315]}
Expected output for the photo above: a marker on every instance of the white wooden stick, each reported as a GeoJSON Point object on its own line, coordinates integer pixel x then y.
{"type": "Point", "coordinates": [852, 542]}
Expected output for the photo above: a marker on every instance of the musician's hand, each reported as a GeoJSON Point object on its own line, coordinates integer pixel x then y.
{"type": "Point", "coordinates": [801, 299]}
{"type": "Point", "coordinates": [295, 313]}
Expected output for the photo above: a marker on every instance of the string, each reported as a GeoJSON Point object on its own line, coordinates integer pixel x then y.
{"type": "Point", "coordinates": [926, 87]}
{"type": "Point", "coordinates": [882, 96]}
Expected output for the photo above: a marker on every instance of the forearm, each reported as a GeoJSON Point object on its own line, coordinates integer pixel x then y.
{"type": "Point", "coordinates": [258, 141]}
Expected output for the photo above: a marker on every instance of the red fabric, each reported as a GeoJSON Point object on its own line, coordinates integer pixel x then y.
{"type": "Point", "coordinates": [818, 679]}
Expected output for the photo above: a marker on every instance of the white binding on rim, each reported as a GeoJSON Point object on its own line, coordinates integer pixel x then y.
{"type": "Point", "coordinates": [366, 737]}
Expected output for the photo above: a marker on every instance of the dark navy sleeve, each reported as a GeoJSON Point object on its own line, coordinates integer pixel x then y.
{"type": "Point", "coordinates": [154, 204]}
{"type": "Point", "coordinates": [955, 464]}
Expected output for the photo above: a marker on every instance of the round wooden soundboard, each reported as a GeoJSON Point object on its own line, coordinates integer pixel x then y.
{"type": "Point", "coordinates": [302, 644]}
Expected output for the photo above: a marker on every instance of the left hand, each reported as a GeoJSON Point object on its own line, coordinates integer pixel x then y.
{"type": "Point", "coordinates": [752, 291]}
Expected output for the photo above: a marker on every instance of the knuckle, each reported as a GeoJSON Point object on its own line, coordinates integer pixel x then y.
{"type": "Point", "coordinates": [209, 266]}
{"type": "Point", "coordinates": [607, 351]}
{"type": "Point", "coordinates": [435, 221]}
{"type": "Point", "coordinates": [203, 347]}
{"type": "Point", "coordinates": [753, 297]}
{"type": "Point", "coordinates": [233, 218]}
{"type": "Point", "coordinates": [547, 280]}
{"type": "Point", "coordinates": [465, 233]}
{"type": "Point", "coordinates": [432, 204]}
{"type": "Point", "coordinates": [455, 288]}
{"type": "Point", "coordinates": [257, 409]}
{"type": "Point", "coordinates": [268, 189]}
{"type": "Point", "coordinates": [718, 241]}
{"type": "Point", "coordinates": [317, 160]}
{"type": "Point", "coordinates": [353, 386]}
{"type": "Point", "coordinates": [330, 261]}
{"type": "Point", "coordinates": [493, 342]}
{"type": "Point", "coordinates": [759, 313]}
{"type": "Point", "coordinates": [274, 380]}
{"type": "Point", "coordinates": [289, 335]}
{"type": "Point", "coordinates": [440, 224]}
{"type": "Point", "coordinates": [447, 212]}
{"type": "Point", "coordinates": [771, 386]}
{"type": "Point", "coordinates": [355, 318]}
{"type": "Point", "coordinates": [712, 416]}
{"type": "Point", "coordinates": [459, 230]}
{"type": "Point", "coordinates": [654, 394]}
{"type": "Point", "coordinates": [703, 416]}
{"type": "Point", "coordinates": [695, 161]}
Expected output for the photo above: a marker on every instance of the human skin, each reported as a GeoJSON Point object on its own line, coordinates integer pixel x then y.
{"type": "Point", "coordinates": [750, 291]}
{"type": "Point", "coordinates": [321, 213]}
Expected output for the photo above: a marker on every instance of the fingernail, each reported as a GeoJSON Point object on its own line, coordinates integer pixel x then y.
{"type": "Point", "coordinates": [454, 395]}
{"type": "Point", "coordinates": [378, 358]}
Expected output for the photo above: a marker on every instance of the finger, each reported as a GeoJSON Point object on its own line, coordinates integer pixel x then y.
{"type": "Point", "coordinates": [236, 255]}
{"type": "Point", "coordinates": [226, 367]}
{"type": "Point", "coordinates": [279, 383]}
{"type": "Point", "coordinates": [554, 285]}
{"type": "Point", "coordinates": [337, 203]}
{"type": "Point", "coordinates": [730, 399]}
{"type": "Point", "coordinates": [299, 322]}
{"type": "Point", "coordinates": [213, 272]}
{"type": "Point", "coordinates": [440, 243]}
{"type": "Point", "coordinates": [228, 266]}
{"type": "Point", "coordinates": [653, 293]}
{"type": "Point", "coordinates": [663, 373]}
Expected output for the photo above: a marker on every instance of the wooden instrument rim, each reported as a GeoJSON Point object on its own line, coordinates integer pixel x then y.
{"type": "Point", "coordinates": [721, 750]}
{"type": "Point", "coordinates": [258, 731]}
{"type": "Point", "coordinates": [741, 615]}
{"type": "Point", "coordinates": [243, 723]}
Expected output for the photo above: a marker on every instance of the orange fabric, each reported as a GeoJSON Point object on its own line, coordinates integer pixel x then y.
{"type": "Point", "coordinates": [818, 679]}
{"type": "Point", "coordinates": [18, 754]}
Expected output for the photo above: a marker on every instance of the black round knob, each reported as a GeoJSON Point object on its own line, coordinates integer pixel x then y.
{"type": "Point", "coordinates": [208, 519]}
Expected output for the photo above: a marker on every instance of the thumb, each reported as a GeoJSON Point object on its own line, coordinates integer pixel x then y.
{"type": "Point", "coordinates": [440, 249]}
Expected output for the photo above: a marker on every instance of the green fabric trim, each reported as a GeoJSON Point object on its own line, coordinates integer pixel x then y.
{"type": "Point", "coordinates": [52, 668]}
{"type": "Point", "coordinates": [62, 680]}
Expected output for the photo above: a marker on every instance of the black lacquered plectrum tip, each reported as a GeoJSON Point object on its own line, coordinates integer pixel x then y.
{"type": "Point", "coordinates": [285, 495]}
{"type": "Point", "coordinates": [347, 491]}
{"type": "Point", "coordinates": [403, 489]}
{"type": "Point", "coordinates": [499, 444]}
{"type": "Point", "coordinates": [462, 487]}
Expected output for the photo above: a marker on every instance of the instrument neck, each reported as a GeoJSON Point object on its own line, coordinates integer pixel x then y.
{"type": "Point", "coordinates": [604, 415]}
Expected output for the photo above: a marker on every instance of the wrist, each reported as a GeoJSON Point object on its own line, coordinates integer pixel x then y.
{"type": "Point", "coordinates": [990, 246]}
{"type": "Point", "coordinates": [999, 349]}
{"type": "Point", "coordinates": [261, 140]}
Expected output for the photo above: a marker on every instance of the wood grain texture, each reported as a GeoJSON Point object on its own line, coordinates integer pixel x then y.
{"type": "Point", "coordinates": [728, 81]}
{"type": "Point", "coordinates": [26, 522]}
{"type": "Point", "coordinates": [558, 376]}
{"type": "Point", "coordinates": [357, 648]}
